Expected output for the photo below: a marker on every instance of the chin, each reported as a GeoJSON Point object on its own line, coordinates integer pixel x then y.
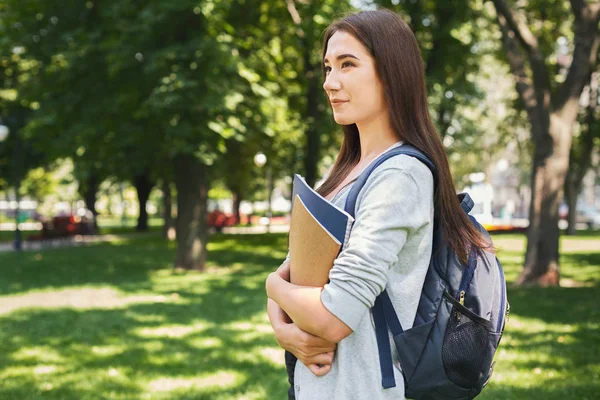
{"type": "Point", "coordinates": [343, 120]}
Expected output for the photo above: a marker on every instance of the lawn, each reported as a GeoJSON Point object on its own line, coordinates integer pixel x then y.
{"type": "Point", "coordinates": [113, 321]}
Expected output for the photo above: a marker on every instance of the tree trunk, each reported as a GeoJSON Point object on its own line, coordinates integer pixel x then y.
{"type": "Point", "coordinates": [571, 192]}
{"type": "Point", "coordinates": [443, 123]}
{"type": "Point", "coordinates": [168, 227]}
{"type": "Point", "coordinates": [307, 33]}
{"type": "Point", "coordinates": [192, 200]}
{"type": "Point", "coordinates": [551, 115]}
{"type": "Point", "coordinates": [89, 196]}
{"type": "Point", "coordinates": [313, 140]}
{"type": "Point", "coordinates": [143, 186]}
{"type": "Point", "coordinates": [581, 157]}
{"type": "Point", "coordinates": [551, 161]}
{"type": "Point", "coordinates": [237, 201]}
{"type": "Point", "coordinates": [313, 78]}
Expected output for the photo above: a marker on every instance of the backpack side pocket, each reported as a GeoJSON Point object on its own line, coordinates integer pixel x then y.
{"type": "Point", "coordinates": [464, 346]}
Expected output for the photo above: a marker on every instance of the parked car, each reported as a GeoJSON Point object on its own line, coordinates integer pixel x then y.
{"type": "Point", "coordinates": [68, 224]}
{"type": "Point", "coordinates": [218, 220]}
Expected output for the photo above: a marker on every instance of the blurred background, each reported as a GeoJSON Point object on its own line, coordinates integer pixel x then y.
{"type": "Point", "coordinates": [147, 151]}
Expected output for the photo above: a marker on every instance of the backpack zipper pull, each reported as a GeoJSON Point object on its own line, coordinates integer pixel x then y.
{"type": "Point", "coordinates": [461, 300]}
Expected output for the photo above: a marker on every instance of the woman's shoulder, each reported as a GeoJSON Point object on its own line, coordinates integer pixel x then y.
{"type": "Point", "coordinates": [406, 164]}
{"type": "Point", "coordinates": [400, 179]}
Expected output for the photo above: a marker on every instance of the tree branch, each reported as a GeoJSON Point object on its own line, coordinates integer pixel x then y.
{"type": "Point", "coordinates": [291, 6]}
{"type": "Point", "coordinates": [585, 54]}
{"type": "Point", "coordinates": [518, 30]}
{"type": "Point", "coordinates": [522, 32]}
{"type": "Point", "coordinates": [577, 6]}
{"type": "Point", "coordinates": [516, 62]}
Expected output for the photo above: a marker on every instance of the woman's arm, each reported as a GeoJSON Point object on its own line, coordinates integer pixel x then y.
{"type": "Point", "coordinates": [303, 305]}
{"type": "Point", "coordinates": [314, 319]}
{"type": "Point", "coordinates": [390, 206]}
{"type": "Point", "coordinates": [314, 352]}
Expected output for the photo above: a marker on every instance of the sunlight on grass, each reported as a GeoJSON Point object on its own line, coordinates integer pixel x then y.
{"type": "Point", "coordinates": [172, 331]}
{"type": "Point", "coordinates": [206, 342]}
{"type": "Point", "coordinates": [272, 355]}
{"type": "Point", "coordinates": [44, 354]}
{"type": "Point", "coordinates": [534, 353]}
{"type": "Point", "coordinates": [121, 324]}
{"type": "Point", "coordinates": [84, 298]}
{"type": "Point", "coordinates": [44, 369]}
{"type": "Point", "coordinates": [108, 350]}
{"type": "Point", "coordinates": [221, 379]}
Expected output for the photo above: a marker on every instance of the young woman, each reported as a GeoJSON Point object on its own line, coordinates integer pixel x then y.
{"type": "Point", "coordinates": [373, 78]}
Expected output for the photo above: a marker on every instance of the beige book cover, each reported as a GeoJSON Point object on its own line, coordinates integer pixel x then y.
{"type": "Point", "coordinates": [312, 248]}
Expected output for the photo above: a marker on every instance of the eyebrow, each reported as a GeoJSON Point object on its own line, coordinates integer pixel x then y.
{"type": "Point", "coordinates": [342, 56]}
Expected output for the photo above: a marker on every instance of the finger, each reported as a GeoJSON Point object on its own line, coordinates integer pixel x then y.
{"type": "Point", "coordinates": [322, 359]}
{"type": "Point", "coordinates": [319, 370]}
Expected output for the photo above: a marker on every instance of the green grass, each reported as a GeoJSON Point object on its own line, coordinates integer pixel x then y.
{"type": "Point", "coordinates": [113, 321]}
{"type": "Point", "coordinates": [551, 345]}
{"type": "Point", "coordinates": [9, 236]}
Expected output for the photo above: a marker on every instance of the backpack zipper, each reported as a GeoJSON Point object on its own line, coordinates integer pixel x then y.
{"type": "Point", "coordinates": [464, 310]}
{"type": "Point", "coordinates": [461, 300]}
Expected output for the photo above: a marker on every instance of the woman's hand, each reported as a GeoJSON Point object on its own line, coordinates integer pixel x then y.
{"type": "Point", "coordinates": [284, 271]}
{"type": "Point", "coordinates": [316, 353]}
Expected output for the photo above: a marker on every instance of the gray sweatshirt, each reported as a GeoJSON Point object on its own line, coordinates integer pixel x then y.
{"type": "Point", "coordinates": [389, 247]}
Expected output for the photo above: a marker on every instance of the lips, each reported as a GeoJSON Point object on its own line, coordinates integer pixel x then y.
{"type": "Point", "coordinates": [336, 103]}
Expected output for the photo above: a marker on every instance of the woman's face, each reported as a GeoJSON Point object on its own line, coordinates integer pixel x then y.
{"type": "Point", "coordinates": [351, 82]}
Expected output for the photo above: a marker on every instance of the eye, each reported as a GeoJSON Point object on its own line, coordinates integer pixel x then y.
{"type": "Point", "coordinates": [327, 69]}
{"type": "Point", "coordinates": [348, 63]}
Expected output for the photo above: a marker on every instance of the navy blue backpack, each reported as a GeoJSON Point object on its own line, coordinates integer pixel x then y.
{"type": "Point", "coordinates": [448, 352]}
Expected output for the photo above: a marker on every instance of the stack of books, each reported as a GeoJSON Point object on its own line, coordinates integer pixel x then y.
{"type": "Point", "coordinates": [318, 229]}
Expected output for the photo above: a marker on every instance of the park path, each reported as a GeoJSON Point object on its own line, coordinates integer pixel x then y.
{"type": "Point", "coordinates": [80, 240]}
{"type": "Point", "coordinates": [65, 242]}
{"type": "Point", "coordinates": [569, 244]}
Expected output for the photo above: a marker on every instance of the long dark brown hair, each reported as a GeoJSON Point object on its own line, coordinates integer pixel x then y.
{"type": "Point", "coordinates": [393, 46]}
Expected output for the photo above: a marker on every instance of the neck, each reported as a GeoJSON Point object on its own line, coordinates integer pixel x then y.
{"type": "Point", "coordinates": [376, 135]}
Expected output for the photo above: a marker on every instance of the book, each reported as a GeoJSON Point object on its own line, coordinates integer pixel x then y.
{"type": "Point", "coordinates": [318, 229]}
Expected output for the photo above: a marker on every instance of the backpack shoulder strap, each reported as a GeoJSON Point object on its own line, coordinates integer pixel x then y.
{"type": "Point", "coordinates": [384, 314]}
{"type": "Point", "coordinates": [405, 149]}
{"type": "Point", "coordinates": [383, 311]}
{"type": "Point", "coordinates": [466, 202]}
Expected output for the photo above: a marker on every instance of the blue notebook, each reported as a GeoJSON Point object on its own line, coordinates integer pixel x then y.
{"type": "Point", "coordinates": [333, 218]}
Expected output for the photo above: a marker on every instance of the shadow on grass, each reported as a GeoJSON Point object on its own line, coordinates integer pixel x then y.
{"type": "Point", "coordinates": [549, 349]}
{"type": "Point", "coordinates": [207, 337]}
{"type": "Point", "coordinates": [211, 341]}
{"type": "Point", "coordinates": [555, 390]}
{"type": "Point", "coordinates": [556, 304]}
{"type": "Point", "coordinates": [127, 264]}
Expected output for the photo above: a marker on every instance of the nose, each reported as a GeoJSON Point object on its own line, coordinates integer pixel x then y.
{"type": "Point", "coordinates": [331, 83]}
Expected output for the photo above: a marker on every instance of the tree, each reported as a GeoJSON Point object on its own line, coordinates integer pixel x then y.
{"type": "Point", "coordinates": [454, 41]}
{"type": "Point", "coordinates": [552, 108]}
{"type": "Point", "coordinates": [309, 20]}
{"type": "Point", "coordinates": [580, 160]}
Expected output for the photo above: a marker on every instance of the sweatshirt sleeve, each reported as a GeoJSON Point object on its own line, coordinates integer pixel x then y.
{"type": "Point", "coordinates": [389, 208]}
